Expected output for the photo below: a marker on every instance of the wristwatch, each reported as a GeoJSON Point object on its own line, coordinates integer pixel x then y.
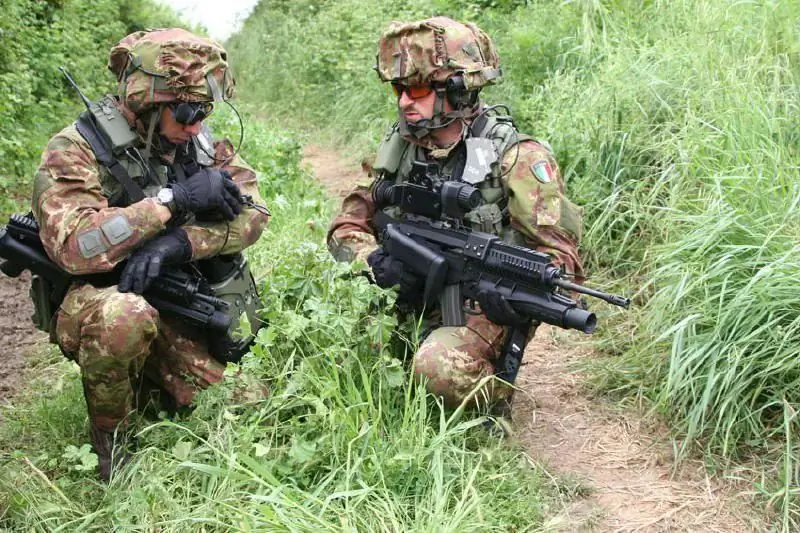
{"type": "Point", "coordinates": [166, 198]}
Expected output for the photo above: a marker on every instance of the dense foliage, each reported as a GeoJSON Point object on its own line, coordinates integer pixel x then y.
{"type": "Point", "coordinates": [675, 126]}
{"type": "Point", "coordinates": [36, 38]}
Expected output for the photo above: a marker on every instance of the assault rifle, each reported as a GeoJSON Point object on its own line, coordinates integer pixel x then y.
{"type": "Point", "coordinates": [175, 292]}
{"type": "Point", "coordinates": [458, 263]}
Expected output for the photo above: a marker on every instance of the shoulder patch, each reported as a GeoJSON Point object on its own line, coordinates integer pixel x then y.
{"type": "Point", "coordinates": [542, 171]}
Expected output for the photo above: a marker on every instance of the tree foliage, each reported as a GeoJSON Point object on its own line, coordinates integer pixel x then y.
{"type": "Point", "coordinates": [36, 38]}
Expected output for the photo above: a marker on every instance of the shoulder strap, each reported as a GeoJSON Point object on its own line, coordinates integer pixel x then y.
{"type": "Point", "coordinates": [88, 131]}
{"type": "Point", "coordinates": [485, 124]}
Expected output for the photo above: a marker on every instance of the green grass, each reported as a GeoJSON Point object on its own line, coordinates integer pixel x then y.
{"type": "Point", "coordinates": [675, 124]}
{"type": "Point", "coordinates": [345, 441]}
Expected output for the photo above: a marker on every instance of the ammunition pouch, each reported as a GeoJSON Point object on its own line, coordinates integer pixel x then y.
{"type": "Point", "coordinates": [230, 279]}
{"type": "Point", "coordinates": [486, 218]}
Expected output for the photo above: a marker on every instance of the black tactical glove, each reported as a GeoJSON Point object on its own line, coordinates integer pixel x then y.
{"type": "Point", "coordinates": [498, 310]}
{"type": "Point", "coordinates": [145, 264]}
{"type": "Point", "coordinates": [208, 189]}
{"type": "Point", "coordinates": [389, 272]}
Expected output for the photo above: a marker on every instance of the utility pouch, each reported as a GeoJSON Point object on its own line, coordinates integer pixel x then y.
{"type": "Point", "coordinates": [390, 153]}
{"type": "Point", "coordinates": [486, 218]}
{"type": "Point", "coordinates": [231, 280]}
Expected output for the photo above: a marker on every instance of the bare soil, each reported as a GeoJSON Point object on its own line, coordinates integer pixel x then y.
{"type": "Point", "coordinates": [619, 463]}
{"type": "Point", "coordinates": [18, 336]}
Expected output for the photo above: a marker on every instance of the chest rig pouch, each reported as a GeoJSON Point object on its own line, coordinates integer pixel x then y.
{"type": "Point", "coordinates": [229, 276]}
{"type": "Point", "coordinates": [477, 162]}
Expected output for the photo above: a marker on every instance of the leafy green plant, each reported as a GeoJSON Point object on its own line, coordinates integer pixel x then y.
{"type": "Point", "coordinates": [80, 458]}
{"type": "Point", "coordinates": [345, 439]}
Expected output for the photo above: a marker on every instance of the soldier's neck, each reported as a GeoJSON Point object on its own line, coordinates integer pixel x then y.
{"type": "Point", "coordinates": [445, 138]}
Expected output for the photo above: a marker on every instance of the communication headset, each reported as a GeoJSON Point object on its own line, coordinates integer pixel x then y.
{"type": "Point", "coordinates": [457, 93]}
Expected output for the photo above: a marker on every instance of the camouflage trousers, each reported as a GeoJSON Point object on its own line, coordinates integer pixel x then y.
{"type": "Point", "coordinates": [454, 360]}
{"type": "Point", "coordinates": [116, 338]}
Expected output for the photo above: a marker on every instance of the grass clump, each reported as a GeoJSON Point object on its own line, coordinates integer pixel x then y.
{"type": "Point", "coordinates": [675, 127]}
{"type": "Point", "coordinates": [345, 441]}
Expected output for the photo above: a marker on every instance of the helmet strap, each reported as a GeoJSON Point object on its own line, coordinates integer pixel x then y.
{"type": "Point", "coordinates": [155, 117]}
{"type": "Point", "coordinates": [441, 118]}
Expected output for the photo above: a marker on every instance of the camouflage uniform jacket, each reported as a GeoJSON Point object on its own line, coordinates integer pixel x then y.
{"type": "Point", "coordinates": [84, 234]}
{"type": "Point", "coordinates": [524, 196]}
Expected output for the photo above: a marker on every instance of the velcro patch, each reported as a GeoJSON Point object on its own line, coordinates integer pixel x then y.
{"type": "Point", "coordinates": [542, 171]}
{"type": "Point", "coordinates": [91, 243]}
{"type": "Point", "coordinates": [481, 155]}
{"type": "Point", "coordinates": [116, 229]}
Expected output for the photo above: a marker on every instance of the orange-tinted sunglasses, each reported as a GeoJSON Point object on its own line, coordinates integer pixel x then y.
{"type": "Point", "coordinates": [414, 92]}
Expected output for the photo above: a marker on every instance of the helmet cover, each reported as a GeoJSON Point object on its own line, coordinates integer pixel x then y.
{"type": "Point", "coordinates": [432, 50]}
{"type": "Point", "coordinates": [168, 65]}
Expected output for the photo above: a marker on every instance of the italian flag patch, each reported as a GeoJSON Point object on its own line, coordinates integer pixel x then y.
{"type": "Point", "coordinates": [542, 171]}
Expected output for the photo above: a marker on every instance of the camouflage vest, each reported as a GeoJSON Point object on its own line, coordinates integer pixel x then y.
{"type": "Point", "coordinates": [491, 135]}
{"type": "Point", "coordinates": [229, 276]}
{"type": "Point", "coordinates": [149, 176]}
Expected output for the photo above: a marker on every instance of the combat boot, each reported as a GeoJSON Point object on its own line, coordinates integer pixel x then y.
{"type": "Point", "coordinates": [112, 452]}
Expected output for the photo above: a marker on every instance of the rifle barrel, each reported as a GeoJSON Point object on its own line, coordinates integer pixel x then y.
{"type": "Point", "coordinates": [613, 299]}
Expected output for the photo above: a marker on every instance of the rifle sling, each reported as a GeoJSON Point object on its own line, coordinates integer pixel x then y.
{"type": "Point", "coordinates": [89, 132]}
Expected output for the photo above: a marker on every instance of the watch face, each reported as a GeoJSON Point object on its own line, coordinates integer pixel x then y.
{"type": "Point", "coordinates": [164, 196]}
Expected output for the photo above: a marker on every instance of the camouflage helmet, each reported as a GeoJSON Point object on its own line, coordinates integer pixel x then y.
{"type": "Point", "coordinates": [432, 50]}
{"type": "Point", "coordinates": [168, 65]}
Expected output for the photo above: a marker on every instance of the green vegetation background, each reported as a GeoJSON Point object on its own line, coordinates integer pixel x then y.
{"type": "Point", "coordinates": [675, 126]}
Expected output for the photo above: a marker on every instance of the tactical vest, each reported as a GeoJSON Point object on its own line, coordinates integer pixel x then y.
{"type": "Point", "coordinates": [126, 178]}
{"type": "Point", "coordinates": [477, 161]}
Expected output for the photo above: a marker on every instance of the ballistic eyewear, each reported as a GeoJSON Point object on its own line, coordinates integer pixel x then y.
{"type": "Point", "coordinates": [414, 92]}
{"type": "Point", "coordinates": [190, 113]}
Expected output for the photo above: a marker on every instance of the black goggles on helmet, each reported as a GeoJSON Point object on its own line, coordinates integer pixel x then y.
{"type": "Point", "coordinates": [190, 113]}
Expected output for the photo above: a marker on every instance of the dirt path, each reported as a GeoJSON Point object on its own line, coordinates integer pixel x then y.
{"type": "Point", "coordinates": [18, 337]}
{"type": "Point", "coordinates": [623, 466]}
